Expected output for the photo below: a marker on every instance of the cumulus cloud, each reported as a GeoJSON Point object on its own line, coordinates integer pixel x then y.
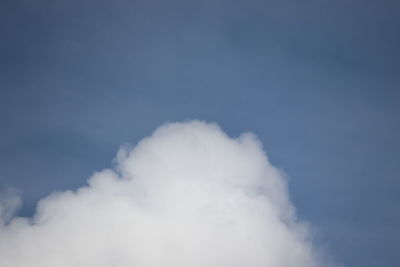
{"type": "Point", "coordinates": [186, 196]}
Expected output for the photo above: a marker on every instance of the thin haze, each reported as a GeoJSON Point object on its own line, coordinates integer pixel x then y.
{"type": "Point", "coordinates": [317, 81]}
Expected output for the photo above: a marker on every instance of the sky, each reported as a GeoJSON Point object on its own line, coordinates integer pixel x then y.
{"type": "Point", "coordinates": [316, 82]}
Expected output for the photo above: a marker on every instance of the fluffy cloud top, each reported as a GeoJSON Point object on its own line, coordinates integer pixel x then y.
{"type": "Point", "coordinates": [187, 196]}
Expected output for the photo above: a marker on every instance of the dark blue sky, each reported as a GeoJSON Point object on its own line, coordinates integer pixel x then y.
{"type": "Point", "coordinates": [317, 81]}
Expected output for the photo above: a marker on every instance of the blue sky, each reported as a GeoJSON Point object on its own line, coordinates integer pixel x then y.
{"type": "Point", "coordinates": [316, 81]}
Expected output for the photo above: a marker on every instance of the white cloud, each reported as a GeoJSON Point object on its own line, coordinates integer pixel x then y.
{"type": "Point", "coordinates": [187, 196]}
